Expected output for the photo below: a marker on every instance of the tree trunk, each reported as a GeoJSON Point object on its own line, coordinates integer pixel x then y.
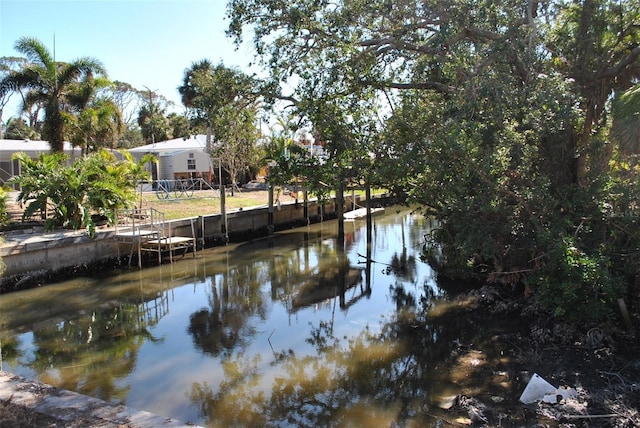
{"type": "Point", "coordinates": [54, 127]}
{"type": "Point", "coordinates": [583, 145]}
{"type": "Point", "coordinates": [208, 141]}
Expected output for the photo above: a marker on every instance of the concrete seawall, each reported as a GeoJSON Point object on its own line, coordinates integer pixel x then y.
{"type": "Point", "coordinates": [26, 253]}
{"type": "Point", "coordinates": [75, 410]}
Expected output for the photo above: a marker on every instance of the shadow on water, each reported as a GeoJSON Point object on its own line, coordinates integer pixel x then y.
{"type": "Point", "coordinates": [288, 330]}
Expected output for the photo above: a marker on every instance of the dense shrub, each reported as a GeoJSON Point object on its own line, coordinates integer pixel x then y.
{"type": "Point", "coordinates": [4, 215]}
{"type": "Point", "coordinates": [98, 183]}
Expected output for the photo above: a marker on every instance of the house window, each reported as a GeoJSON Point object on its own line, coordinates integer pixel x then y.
{"type": "Point", "coordinates": [191, 155]}
{"type": "Point", "coordinates": [191, 164]}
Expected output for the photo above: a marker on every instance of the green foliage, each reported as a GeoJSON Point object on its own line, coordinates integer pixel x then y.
{"type": "Point", "coordinates": [291, 164]}
{"type": "Point", "coordinates": [208, 91]}
{"type": "Point", "coordinates": [94, 184]}
{"type": "Point", "coordinates": [98, 125]}
{"type": "Point", "coordinates": [130, 137]}
{"type": "Point", "coordinates": [4, 215]}
{"type": "Point", "coordinates": [495, 120]}
{"type": "Point", "coordinates": [225, 100]}
{"type": "Point", "coordinates": [180, 126]}
{"type": "Point", "coordinates": [34, 180]}
{"type": "Point", "coordinates": [626, 117]}
{"type": "Point", "coordinates": [238, 133]}
{"type": "Point", "coordinates": [577, 285]}
{"type": "Point", "coordinates": [153, 123]}
{"type": "Point", "coordinates": [18, 129]}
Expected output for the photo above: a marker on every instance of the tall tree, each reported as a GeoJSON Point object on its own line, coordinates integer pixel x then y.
{"type": "Point", "coordinates": [99, 125]}
{"type": "Point", "coordinates": [191, 95]}
{"type": "Point", "coordinates": [179, 124]}
{"type": "Point", "coordinates": [237, 150]}
{"type": "Point", "coordinates": [48, 82]}
{"type": "Point", "coordinates": [207, 90]}
{"type": "Point", "coordinates": [495, 121]}
{"type": "Point", "coordinates": [151, 117]}
{"type": "Point", "coordinates": [18, 129]}
{"type": "Point", "coordinates": [96, 120]}
{"type": "Point", "coordinates": [226, 100]}
{"type": "Point", "coordinates": [127, 98]}
{"type": "Point", "coordinates": [597, 44]}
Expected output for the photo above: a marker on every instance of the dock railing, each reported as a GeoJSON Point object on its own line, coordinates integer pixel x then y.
{"type": "Point", "coordinates": [146, 230]}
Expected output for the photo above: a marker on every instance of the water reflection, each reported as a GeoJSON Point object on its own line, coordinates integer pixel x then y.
{"type": "Point", "coordinates": [291, 330]}
{"type": "Point", "coordinates": [108, 339]}
{"type": "Point", "coordinates": [232, 299]}
{"type": "Point", "coordinates": [365, 380]}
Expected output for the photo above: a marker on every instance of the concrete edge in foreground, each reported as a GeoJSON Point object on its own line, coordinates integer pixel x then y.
{"type": "Point", "coordinates": [70, 406]}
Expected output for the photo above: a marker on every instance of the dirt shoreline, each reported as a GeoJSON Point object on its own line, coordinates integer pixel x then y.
{"type": "Point", "coordinates": [600, 365]}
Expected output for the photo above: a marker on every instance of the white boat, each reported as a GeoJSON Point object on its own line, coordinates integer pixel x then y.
{"type": "Point", "coordinates": [362, 213]}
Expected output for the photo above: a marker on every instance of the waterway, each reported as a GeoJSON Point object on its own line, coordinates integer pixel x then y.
{"type": "Point", "coordinates": [289, 330]}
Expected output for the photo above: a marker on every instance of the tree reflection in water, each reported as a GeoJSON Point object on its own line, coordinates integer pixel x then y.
{"type": "Point", "coordinates": [107, 338]}
{"type": "Point", "coordinates": [10, 345]}
{"type": "Point", "coordinates": [332, 373]}
{"type": "Point", "coordinates": [359, 381]}
{"type": "Point", "coordinates": [234, 297]}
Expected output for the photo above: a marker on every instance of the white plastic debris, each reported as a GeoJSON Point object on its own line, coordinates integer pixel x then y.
{"type": "Point", "coordinates": [551, 398]}
{"type": "Point", "coordinates": [536, 390]}
{"type": "Point", "coordinates": [539, 389]}
{"type": "Point", "coordinates": [560, 394]}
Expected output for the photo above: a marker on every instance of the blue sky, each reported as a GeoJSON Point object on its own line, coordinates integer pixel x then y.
{"type": "Point", "coordinates": [147, 43]}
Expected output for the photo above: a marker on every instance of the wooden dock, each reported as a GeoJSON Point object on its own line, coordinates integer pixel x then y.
{"type": "Point", "coordinates": [145, 230]}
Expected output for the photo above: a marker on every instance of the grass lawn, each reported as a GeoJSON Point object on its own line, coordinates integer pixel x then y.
{"type": "Point", "coordinates": [202, 203]}
{"type": "Point", "coordinates": [205, 203]}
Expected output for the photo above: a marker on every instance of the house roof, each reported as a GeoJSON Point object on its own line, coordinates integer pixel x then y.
{"type": "Point", "coordinates": [32, 148]}
{"type": "Point", "coordinates": [195, 142]}
{"type": "Point", "coordinates": [177, 152]}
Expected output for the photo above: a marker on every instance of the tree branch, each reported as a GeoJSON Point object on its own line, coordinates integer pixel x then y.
{"type": "Point", "coordinates": [618, 68]}
{"type": "Point", "coordinates": [441, 87]}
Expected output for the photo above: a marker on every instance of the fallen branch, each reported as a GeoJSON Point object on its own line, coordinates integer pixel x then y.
{"type": "Point", "coordinates": [611, 415]}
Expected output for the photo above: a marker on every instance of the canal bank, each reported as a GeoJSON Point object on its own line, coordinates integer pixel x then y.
{"type": "Point", "coordinates": [33, 257]}
{"type": "Point", "coordinates": [38, 404]}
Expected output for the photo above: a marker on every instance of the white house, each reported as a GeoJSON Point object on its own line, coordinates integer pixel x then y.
{"type": "Point", "coordinates": [178, 158]}
{"type": "Point", "coordinates": [10, 167]}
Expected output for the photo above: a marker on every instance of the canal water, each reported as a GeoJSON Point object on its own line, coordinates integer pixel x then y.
{"type": "Point", "coordinates": [289, 330]}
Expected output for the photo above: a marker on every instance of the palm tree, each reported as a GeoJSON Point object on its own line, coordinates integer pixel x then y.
{"type": "Point", "coordinates": [7, 65]}
{"type": "Point", "coordinates": [152, 119]}
{"type": "Point", "coordinates": [190, 91]}
{"type": "Point", "coordinates": [98, 120]}
{"type": "Point", "coordinates": [99, 125]}
{"type": "Point", "coordinates": [49, 83]}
